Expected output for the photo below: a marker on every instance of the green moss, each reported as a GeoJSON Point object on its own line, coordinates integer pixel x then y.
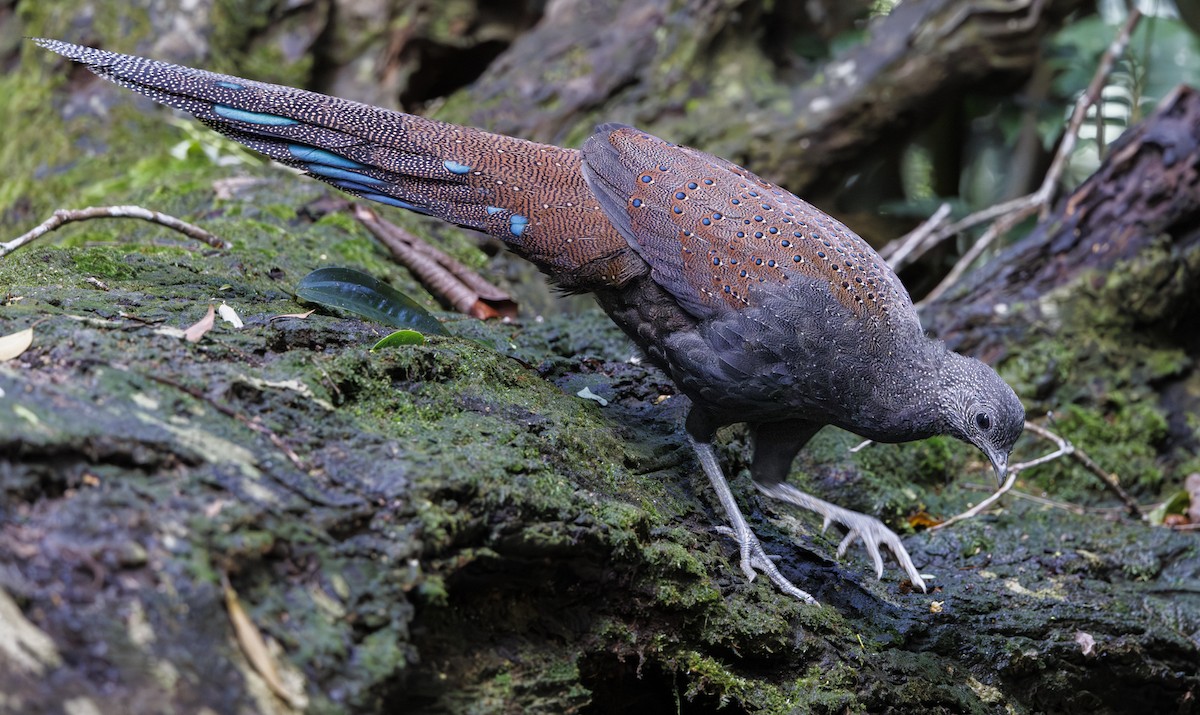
{"type": "Point", "coordinates": [380, 655]}
{"type": "Point", "coordinates": [671, 553]}
{"type": "Point", "coordinates": [978, 543]}
{"type": "Point", "coordinates": [754, 628]}
{"type": "Point", "coordinates": [432, 591]}
{"type": "Point", "coordinates": [29, 117]}
{"type": "Point", "coordinates": [103, 264]}
{"type": "Point", "coordinates": [1038, 368]}
{"type": "Point", "coordinates": [1099, 373]}
{"type": "Point", "coordinates": [244, 542]}
{"type": "Point", "coordinates": [827, 688]}
{"type": "Point", "coordinates": [1123, 439]}
{"type": "Point", "coordinates": [237, 25]}
{"type": "Point", "coordinates": [705, 675]}
{"type": "Point", "coordinates": [446, 20]}
{"type": "Point", "coordinates": [928, 461]}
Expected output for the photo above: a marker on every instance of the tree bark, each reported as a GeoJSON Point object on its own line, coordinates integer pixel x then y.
{"type": "Point", "coordinates": [666, 70]}
{"type": "Point", "coordinates": [1129, 234]}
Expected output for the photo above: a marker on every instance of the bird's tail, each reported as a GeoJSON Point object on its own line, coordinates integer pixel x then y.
{"type": "Point", "coordinates": [532, 196]}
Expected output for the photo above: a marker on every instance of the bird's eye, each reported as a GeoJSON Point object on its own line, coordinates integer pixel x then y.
{"type": "Point", "coordinates": [983, 421]}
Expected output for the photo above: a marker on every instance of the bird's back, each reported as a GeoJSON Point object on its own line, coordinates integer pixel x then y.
{"type": "Point", "coordinates": [793, 311]}
{"type": "Point", "coordinates": [720, 238]}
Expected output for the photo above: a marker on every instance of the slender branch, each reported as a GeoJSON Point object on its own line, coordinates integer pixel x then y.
{"type": "Point", "coordinates": [896, 251]}
{"type": "Point", "coordinates": [1110, 481]}
{"type": "Point", "coordinates": [1085, 101]}
{"type": "Point", "coordinates": [936, 237]}
{"type": "Point", "coordinates": [999, 228]}
{"type": "Point", "coordinates": [1017, 210]}
{"type": "Point", "coordinates": [1064, 448]}
{"type": "Point", "coordinates": [62, 217]}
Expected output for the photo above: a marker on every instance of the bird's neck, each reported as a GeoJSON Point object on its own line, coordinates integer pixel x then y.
{"type": "Point", "coordinates": [906, 406]}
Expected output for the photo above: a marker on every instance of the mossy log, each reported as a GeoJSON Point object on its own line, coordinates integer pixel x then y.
{"type": "Point", "coordinates": [450, 528]}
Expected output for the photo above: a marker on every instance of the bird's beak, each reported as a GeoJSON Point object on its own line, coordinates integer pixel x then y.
{"type": "Point", "coordinates": [1000, 464]}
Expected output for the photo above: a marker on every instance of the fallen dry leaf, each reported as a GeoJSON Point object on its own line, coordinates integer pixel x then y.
{"type": "Point", "coordinates": [587, 394]}
{"type": "Point", "coordinates": [205, 324]}
{"type": "Point", "coordinates": [252, 643]}
{"type": "Point", "coordinates": [1087, 644]}
{"type": "Point", "coordinates": [1175, 520]}
{"type": "Point", "coordinates": [923, 520]}
{"type": "Point", "coordinates": [229, 315]}
{"type": "Point", "coordinates": [14, 344]}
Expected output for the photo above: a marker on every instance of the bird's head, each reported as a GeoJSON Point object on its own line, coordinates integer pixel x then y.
{"type": "Point", "coordinates": [980, 408]}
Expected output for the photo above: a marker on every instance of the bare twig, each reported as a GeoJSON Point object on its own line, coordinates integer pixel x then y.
{"type": "Point", "coordinates": [999, 228]}
{"type": "Point", "coordinates": [440, 273]}
{"type": "Point", "coordinates": [862, 445]}
{"type": "Point", "coordinates": [65, 216]}
{"type": "Point", "coordinates": [1054, 503]}
{"type": "Point", "coordinates": [896, 251]}
{"type": "Point", "coordinates": [1090, 97]}
{"type": "Point", "coordinates": [937, 236]}
{"type": "Point", "coordinates": [1110, 481]}
{"type": "Point", "coordinates": [1017, 210]}
{"type": "Point", "coordinates": [980, 216]}
{"type": "Point", "coordinates": [1108, 512]}
{"type": "Point", "coordinates": [1064, 448]}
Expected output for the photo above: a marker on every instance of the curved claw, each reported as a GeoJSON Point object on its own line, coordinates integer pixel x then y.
{"type": "Point", "coordinates": [755, 560]}
{"type": "Point", "coordinates": [870, 530]}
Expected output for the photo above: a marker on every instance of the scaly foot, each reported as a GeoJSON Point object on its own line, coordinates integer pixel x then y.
{"type": "Point", "coordinates": [870, 530]}
{"type": "Point", "coordinates": [755, 560]}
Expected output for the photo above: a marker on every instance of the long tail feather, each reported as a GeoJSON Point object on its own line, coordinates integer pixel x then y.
{"type": "Point", "coordinates": [532, 196]}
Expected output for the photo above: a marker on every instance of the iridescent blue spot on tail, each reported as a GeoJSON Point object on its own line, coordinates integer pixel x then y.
{"type": "Point", "coordinates": [335, 173]}
{"type": "Point", "coordinates": [493, 210]}
{"type": "Point", "coordinates": [455, 168]}
{"type": "Point", "coordinates": [517, 224]}
{"type": "Point", "coordinates": [230, 85]}
{"type": "Point", "coordinates": [309, 154]}
{"type": "Point", "coordinates": [242, 115]}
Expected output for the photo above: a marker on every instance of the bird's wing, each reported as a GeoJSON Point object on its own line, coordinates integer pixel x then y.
{"type": "Point", "coordinates": [531, 196]}
{"type": "Point", "coordinates": [718, 237]}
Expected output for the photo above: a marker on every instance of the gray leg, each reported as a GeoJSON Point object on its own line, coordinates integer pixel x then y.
{"type": "Point", "coordinates": [753, 556]}
{"type": "Point", "coordinates": [775, 445]}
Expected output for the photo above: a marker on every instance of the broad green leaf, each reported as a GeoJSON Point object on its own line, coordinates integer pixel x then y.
{"type": "Point", "coordinates": [367, 296]}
